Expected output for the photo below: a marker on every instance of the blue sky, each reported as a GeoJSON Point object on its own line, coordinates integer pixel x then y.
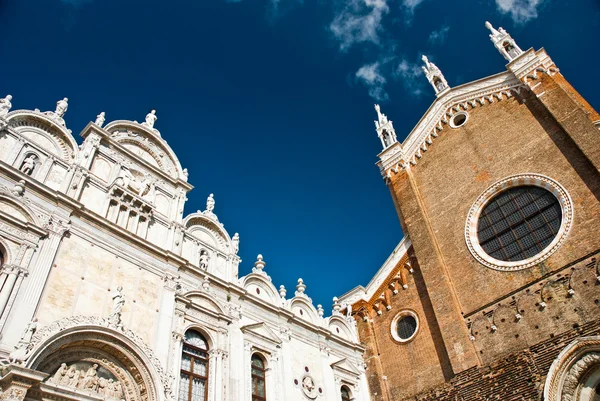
{"type": "Point", "coordinates": [269, 103]}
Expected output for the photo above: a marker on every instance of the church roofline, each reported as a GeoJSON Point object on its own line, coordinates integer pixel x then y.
{"type": "Point", "coordinates": [361, 293]}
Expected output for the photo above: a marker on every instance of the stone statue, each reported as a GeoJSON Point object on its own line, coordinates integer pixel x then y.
{"type": "Point", "coordinates": [61, 373]}
{"type": "Point", "coordinates": [61, 107]}
{"type": "Point", "coordinates": [118, 390]}
{"type": "Point", "coordinates": [434, 75]}
{"type": "Point", "coordinates": [150, 119]}
{"type": "Point", "coordinates": [5, 105]}
{"type": "Point", "coordinates": [203, 260]}
{"type": "Point", "coordinates": [73, 377]}
{"type": "Point", "coordinates": [28, 164]}
{"type": "Point", "coordinates": [210, 203]}
{"type": "Point", "coordinates": [185, 173]}
{"type": "Point", "coordinates": [29, 331]}
{"type": "Point", "coordinates": [439, 85]}
{"type": "Point", "coordinates": [100, 118]}
{"type": "Point", "coordinates": [117, 307]}
{"type": "Point", "coordinates": [102, 386]}
{"type": "Point", "coordinates": [90, 380]}
{"type": "Point", "coordinates": [235, 243]}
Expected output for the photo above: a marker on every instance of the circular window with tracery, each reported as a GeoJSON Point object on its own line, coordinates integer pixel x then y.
{"type": "Point", "coordinates": [518, 222]}
{"type": "Point", "coordinates": [404, 326]}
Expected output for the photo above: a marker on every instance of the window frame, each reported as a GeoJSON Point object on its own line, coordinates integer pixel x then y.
{"type": "Point", "coordinates": [529, 179]}
{"type": "Point", "coordinates": [394, 326]}
{"type": "Point", "coordinates": [349, 398]}
{"type": "Point", "coordinates": [190, 374]}
{"type": "Point", "coordinates": [263, 370]}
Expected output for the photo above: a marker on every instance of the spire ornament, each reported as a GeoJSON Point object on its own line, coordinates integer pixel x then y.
{"type": "Point", "coordinates": [505, 44]}
{"type": "Point", "coordinates": [435, 77]}
{"type": "Point", "coordinates": [385, 129]}
{"type": "Point", "coordinates": [100, 118]}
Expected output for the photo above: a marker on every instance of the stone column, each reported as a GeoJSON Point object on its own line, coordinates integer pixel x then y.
{"type": "Point", "coordinates": [10, 273]}
{"type": "Point", "coordinates": [29, 297]}
{"type": "Point", "coordinates": [217, 359]}
{"type": "Point", "coordinates": [165, 318]}
{"type": "Point", "coordinates": [17, 380]}
{"type": "Point", "coordinates": [246, 361]}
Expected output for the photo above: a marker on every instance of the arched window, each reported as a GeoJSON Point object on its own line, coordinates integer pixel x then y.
{"type": "Point", "coordinates": [345, 394]}
{"type": "Point", "coordinates": [193, 382]}
{"type": "Point", "coordinates": [259, 392]}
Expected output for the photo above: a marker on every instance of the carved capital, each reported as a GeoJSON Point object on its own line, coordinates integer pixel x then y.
{"type": "Point", "coordinates": [57, 226]}
{"type": "Point", "coordinates": [13, 394]}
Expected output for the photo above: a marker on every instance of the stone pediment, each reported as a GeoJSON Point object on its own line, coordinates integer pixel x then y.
{"type": "Point", "coordinates": [345, 366]}
{"type": "Point", "coordinates": [263, 331]}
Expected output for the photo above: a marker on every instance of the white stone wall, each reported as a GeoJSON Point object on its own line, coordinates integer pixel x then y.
{"type": "Point", "coordinates": [109, 213]}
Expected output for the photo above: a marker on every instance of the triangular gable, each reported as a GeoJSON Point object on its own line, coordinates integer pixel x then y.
{"type": "Point", "coordinates": [263, 331]}
{"type": "Point", "coordinates": [345, 366]}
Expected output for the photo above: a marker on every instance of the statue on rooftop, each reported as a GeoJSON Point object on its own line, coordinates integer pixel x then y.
{"type": "Point", "coordinates": [5, 105]}
{"type": "Point", "coordinates": [150, 119]}
{"type": "Point", "coordinates": [61, 107]}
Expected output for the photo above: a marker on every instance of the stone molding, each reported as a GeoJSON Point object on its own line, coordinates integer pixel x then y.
{"type": "Point", "coordinates": [42, 335]}
{"type": "Point", "coordinates": [465, 97]}
{"type": "Point", "coordinates": [542, 181]}
{"type": "Point", "coordinates": [570, 368]}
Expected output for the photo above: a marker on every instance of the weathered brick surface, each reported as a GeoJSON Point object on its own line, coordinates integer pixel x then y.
{"type": "Point", "coordinates": [517, 377]}
{"type": "Point", "coordinates": [471, 345]}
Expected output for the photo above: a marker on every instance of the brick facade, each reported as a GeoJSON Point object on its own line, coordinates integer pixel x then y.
{"type": "Point", "coordinates": [486, 333]}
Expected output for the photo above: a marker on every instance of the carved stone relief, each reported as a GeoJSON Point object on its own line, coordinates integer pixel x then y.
{"type": "Point", "coordinates": [88, 377]}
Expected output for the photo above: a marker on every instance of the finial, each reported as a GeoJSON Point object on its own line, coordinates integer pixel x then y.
{"type": "Point", "coordinates": [259, 265]}
{"type": "Point", "coordinates": [504, 42]}
{"type": "Point", "coordinates": [320, 310]}
{"type": "Point", "coordinates": [384, 128]}
{"type": "Point", "coordinates": [5, 105]}
{"type": "Point", "coordinates": [434, 76]}
{"type": "Point", "coordinates": [100, 118]}
{"type": "Point", "coordinates": [301, 287]}
{"type": "Point", "coordinates": [282, 291]}
{"type": "Point", "coordinates": [336, 306]}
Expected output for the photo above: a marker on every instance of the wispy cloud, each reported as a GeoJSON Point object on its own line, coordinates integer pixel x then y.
{"type": "Point", "coordinates": [370, 75]}
{"type": "Point", "coordinates": [359, 21]}
{"type": "Point", "coordinates": [411, 77]}
{"type": "Point", "coordinates": [439, 36]}
{"type": "Point", "coordinates": [520, 11]}
{"type": "Point", "coordinates": [409, 7]}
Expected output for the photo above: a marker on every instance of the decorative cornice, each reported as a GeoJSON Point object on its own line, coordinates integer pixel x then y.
{"type": "Point", "coordinates": [462, 98]}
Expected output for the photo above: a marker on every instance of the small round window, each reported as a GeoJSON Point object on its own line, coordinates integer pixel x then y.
{"type": "Point", "coordinates": [404, 326]}
{"type": "Point", "coordinates": [519, 223]}
{"type": "Point", "coordinates": [459, 119]}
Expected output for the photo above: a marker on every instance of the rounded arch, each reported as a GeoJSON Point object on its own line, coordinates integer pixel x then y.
{"type": "Point", "coordinates": [575, 373]}
{"type": "Point", "coordinates": [6, 253]}
{"type": "Point", "coordinates": [22, 210]}
{"type": "Point", "coordinates": [346, 393]}
{"type": "Point", "coordinates": [60, 138]}
{"type": "Point", "coordinates": [126, 358]}
{"type": "Point", "coordinates": [337, 325]}
{"type": "Point", "coordinates": [202, 299]}
{"type": "Point", "coordinates": [199, 221]}
{"type": "Point", "coordinates": [206, 333]}
{"type": "Point", "coordinates": [303, 309]}
{"type": "Point", "coordinates": [260, 286]}
{"type": "Point", "coordinates": [129, 132]}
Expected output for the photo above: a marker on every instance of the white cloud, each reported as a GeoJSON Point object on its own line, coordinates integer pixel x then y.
{"type": "Point", "coordinates": [439, 36]}
{"type": "Point", "coordinates": [411, 77]}
{"type": "Point", "coordinates": [370, 75]}
{"type": "Point", "coordinates": [359, 21]}
{"type": "Point", "coordinates": [520, 11]}
{"type": "Point", "coordinates": [410, 5]}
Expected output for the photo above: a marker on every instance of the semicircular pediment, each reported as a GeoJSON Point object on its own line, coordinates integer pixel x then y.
{"type": "Point", "coordinates": [206, 230]}
{"type": "Point", "coordinates": [146, 145]}
{"type": "Point", "coordinates": [44, 132]}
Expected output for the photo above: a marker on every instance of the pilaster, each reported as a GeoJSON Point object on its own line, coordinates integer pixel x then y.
{"type": "Point", "coordinates": [29, 296]}
{"type": "Point", "coordinates": [445, 304]}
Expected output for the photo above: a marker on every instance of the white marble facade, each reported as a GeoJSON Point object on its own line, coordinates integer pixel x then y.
{"type": "Point", "coordinates": [103, 279]}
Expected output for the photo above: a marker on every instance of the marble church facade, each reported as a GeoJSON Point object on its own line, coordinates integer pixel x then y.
{"type": "Point", "coordinates": [109, 292]}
